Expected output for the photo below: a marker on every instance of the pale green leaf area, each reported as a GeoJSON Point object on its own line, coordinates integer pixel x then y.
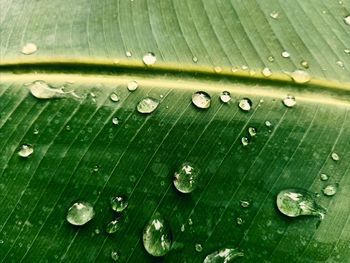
{"type": "Point", "coordinates": [82, 152]}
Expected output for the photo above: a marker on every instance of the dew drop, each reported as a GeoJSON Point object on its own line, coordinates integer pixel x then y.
{"type": "Point", "coordinates": [225, 96]}
{"type": "Point", "coordinates": [128, 54]}
{"type": "Point", "coordinates": [324, 177]}
{"type": "Point", "coordinates": [244, 67]}
{"type": "Point", "coordinates": [29, 48]}
{"type": "Point", "coordinates": [80, 213]}
{"type": "Point", "coordinates": [217, 69]}
{"type": "Point", "coordinates": [132, 85]}
{"type": "Point", "coordinates": [201, 99]}
{"type": "Point", "coordinates": [285, 54]}
{"type": "Point", "coordinates": [115, 121]}
{"type": "Point", "coordinates": [330, 190]}
{"type": "Point", "coordinates": [186, 178]}
{"type": "Point", "coordinates": [115, 255]}
{"type": "Point", "coordinates": [113, 226]}
{"type": "Point", "coordinates": [244, 141]}
{"type": "Point", "coordinates": [266, 72]}
{"type": "Point", "coordinates": [300, 76]}
{"type": "Point", "coordinates": [35, 131]}
{"type": "Point", "coordinates": [239, 221]}
{"type": "Point", "coordinates": [198, 247]}
{"type": "Point", "coordinates": [252, 131]}
{"type": "Point", "coordinates": [149, 58]}
{"type": "Point", "coordinates": [245, 104]}
{"type": "Point", "coordinates": [157, 236]}
{"type": "Point", "coordinates": [41, 90]}
{"type": "Point", "coordinates": [347, 51]}
{"type": "Point", "coordinates": [114, 97]}
{"type": "Point", "coordinates": [244, 203]}
{"type": "Point", "coordinates": [25, 150]}
{"type": "Point", "coordinates": [347, 20]}
{"type": "Point", "coordinates": [119, 203]}
{"type": "Point", "coordinates": [147, 105]}
{"type": "Point", "coordinates": [340, 63]}
{"type": "Point", "coordinates": [335, 156]}
{"type": "Point", "coordinates": [195, 59]}
{"type": "Point", "coordinates": [289, 101]}
{"type": "Point", "coordinates": [295, 202]}
{"type": "Point", "coordinates": [223, 255]}
{"type": "Point", "coordinates": [274, 14]}
{"type": "Point", "coordinates": [304, 64]}
{"type": "Point", "coordinates": [271, 59]}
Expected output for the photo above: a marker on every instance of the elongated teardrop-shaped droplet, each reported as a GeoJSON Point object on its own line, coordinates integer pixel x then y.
{"type": "Point", "coordinates": [245, 104]}
{"type": "Point", "coordinates": [113, 226]}
{"type": "Point", "coordinates": [119, 203]}
{"type": "Point", "coordinates": [300, 76]}
{"type": "Point", "coordinates": [29, 49]}
{"type": "Point", "coordinates": [295, 202]}
{"type": "Point", "coordinates": [289, 101]}
{"type": "Point", "coordinates": [157, 237]}
{"type": "Point", "coordinates": [133, 85]}
{"type": "Point", "coordinates": [80, 213]}
{"type": "Point", "coordinates": [41, 90]}
{"type": "Point", "coordinates": [186, 178]}
{"type": "Point", "coordinates": [224, 255]}
{"type": "Point", "coordinates": [225, 96]}
{"type": "Point", "coordinates": [147, 105]}
{"type": "Point", "coordinates": [25, 151]}
{"type": "Point", "coordinates": [201, 99]}
{"type": "Point", "coordinates": [149, 58]}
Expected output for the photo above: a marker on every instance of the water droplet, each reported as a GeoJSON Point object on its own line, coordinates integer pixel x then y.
{"type": "Point", "coordinates": [119, 203]}
{"type": "Point", "coordinates": [324, 177]}
{"type": "Point", "coordinates": [80, 213]}
{"type": "Point", "coordinates": [147, 105]}
{"type": "Point", "coordinates": [149, 58]}
{"type": "Point", "coordinates": [186, 178]}
{"type": "Point", "coordinates": [25, 150]}
{"type": "Point", "coordinates": [95, 168]}
{"type": "Point", "coordinates": [217, 69]}
{"type": "Point", "coordinates": [195, 59]}
{"type": "Point", "coordinates": [41, 90]}
{"type": "Point", "coordinates": [29, 48]}
{"type": "Point", "coordinates": [114, 97]}
{"type": "Point", "coordinates": [330, 190]}
{"type": "Point", "coordinates": [244, 203]}
{"type": "Point", "coordinates": [266, 72]}
{"type": "Point", "coordinates": [347, 20]}
{"type": "Point", "coordinates": [304, 64]}
{"type": "Point", "coordinates": [182, 228]}
{"type": "Point", "coordinates": [115, 121]}
{"type": "Point", "coordinates": [198, 247]}
{"type": "Point", "coordinates": [157, 236]}
{"type": "Point", "coordinates": [271, 59]}
{"type": "Point", "coordinates": [132, 85]}
{"type": "Point", "coordinates": [239, 221]}
{"type": "Point", "coordinates": [97, 231]}
{"type": "Point", "coordinates": [285, 54]}
{"type": "Point", "coordinates": [268, 123]}
{"type": "Point", "coordinates": [335, 156]}
{"type": "Point", "coordinates": [225, 96]}
{"type": "Point", "coordinates": [300, 76]}
{"type": "Point", "coordinates": [245, 104]}
{"type": "Point", "coordinates": [223, 255]}
{"type": "Point", "coordinates": [201, 99]}
{"type": "Point", "coordinates": [252, 131]}
{"type": "Point", "coordinates": [113, 226]}
{"type": "Point", "coordinates": [274, 14]}
{"type": "Point", "coordinates": [244, 67]}
{"type": "Point", "coordinates": [244, 141]}
{"type": "Point", "coordinates": [347, 51]}
{"type": "Point", "coordinates": [128, 54]}
{"type": "Point", "coordinates": [114, 255]}
{"type": "Point", "coordinates": [289, 101]}
{"type": "Point", "coordinates": [297, 202]}
{"type": "Point", "coordinates": [340, 63]}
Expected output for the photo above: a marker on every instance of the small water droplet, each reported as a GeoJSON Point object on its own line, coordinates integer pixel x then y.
{"type": "Point", "coordinates": [266, 72]}
{"type": "Point", "coordinates": [330, 190]}
{"type": "Point", "coordinates": [113, 226]}
{"type": "Point", "coordinates": [114, 97]}
{"type": "Point", "coordinates": [186, 178]}
{"type": "Point", "coordinates": [271, 59]}
{"type": "Point", "coordinates": [347, 20]}
{"type": "Point", "coordinates": [182, 228]}
{"type": "Point", "coordinates": [244, 141]}
{"type": "Point", "coordinates": [347, 51]}
{"type": "Point", "coordinates": [244, 67]}
{"type": "Point", "coordinates": [252, 131]}
{"type": "Point", "coordinates": [244, 203]}
{"type": "Point", "coordinates": [95, 168]}
{"type": "Point", "coordinates": [223, 255]}
{"type": "Point", "coordinates": [97, 231]}
{"type": "Point", "coordinates": [128, 54]}
{"type": "Point", "coordinates": [80, 213]}
{"type": "Point", "coordinates": [300, 76]}
{"type": "Point", "coordinates": [324, 177]}
{"type": "Point", "coordinates": [157, 236]}
{"type": "Point", "coordinates": [29, 48]}
{"type": "Point", "coordinates": [274, 14]}
{"type": "Point", "coordinates": [289, 101]}
{"type": "Point", "coordinates": [115, 121]}
{"type": "Point", "coordinates": [195, 59]}
{"type": "Point", "coordinates": [225, 96]}
{"type": "Point", "coordinates": [147, 105]}
{"type": "Point", "coordinates": [115, 255]}
{"type": "Point", "coordinates": [239, 221]}
{"type": "Point", "coordinates": [132, 85]}
{"type": "Point", "coordinates": [245, 104]}
{"type": "Point", "coordinates": [36, 131]}
{"type": "Point", "coordinates": [268, 123]}
{"type": "Point", "coordinates": [198, 247]}
{"type": "Point", "coordinates": [25, 150]}
{"type": "Point", "coordinates": [217, 69]}
{"type": "Point", "coordinates": [119, 203]}
{"type": "Point", "coordinates": [297, 202]}
{"type": "Point", "coordinates": [201, 99]}
{"type": "Point", "coordinates": [304, 64]}
{"type": "Point", "coordinates": [335, 156]}
{"type": "Point", "coordinates": [340, 63]}
{"type": "Point", "coordinates": [285, 54]}
{"type": "Point", "coordinates": [149, 58]}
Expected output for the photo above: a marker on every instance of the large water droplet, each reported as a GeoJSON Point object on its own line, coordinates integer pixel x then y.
{"type": "Point", "coordinates": [119, 203]}
{"type": "Point", "coordinates": [80, 213]}
{"type": "Point", "coordinates": [132, 85]}
{"type": "Point", "coordinates": [29, 48]}
{"type": "Point", "coordinates": [224, 255]}
{"type": "Point", "coordinates": [289, 101]}
{"type": "Point", "coordinates": [300, 76]}
{"type": "Point", "coordinates": [113, 226]}
{"type": "Point", "coordinates": [25, 150]}
{"type": "Point", "coordinates": [201, 99]}
{"type": "Point", "coordinates": [147, 105]}
{"type": "Point", "coordinates": [149, 58]}
{"type": "Point", "coordinates": [225, 96]}
{"type": "Point", "coordinates": [297, 202]}
{"type": "Point", "coordinates": [330, 190]}
{"type": "Point", "coordinates": [41, 90]}
{"type": "Point", "coordinates": [245, 104]}
{"type": "Point", "coordinates": [115, 255]}
{"type": "Point", "coordinates": [285, 54]}
{"type": "Point", "coordinates": [186, 178]}
{"type": "Point", "coordinates": [157, 236]}
{"type": "Point", "coordinates": [347, 20]}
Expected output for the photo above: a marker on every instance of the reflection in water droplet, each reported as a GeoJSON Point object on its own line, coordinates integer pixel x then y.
{"type": "Point", "coordinates": [113, 226]}
{"type": "Point", "coordinates": [157, 236]}
{"type": "Point", "coordinates": [186, 178]}
{"type": "Point", "coordinates": [25, 150]}
{"type": "Point", "coordinates": [114, 255]}
{"type": "Point", "coordinates": [147, 105]}
{"type": "Point", "coordinates": [224, 255]}
{"type": "Point", "coordinates": [225, 96]}
{"type": "Point", "coordinates": [201, 99]}
{"type": "Point", "coordinates": [244, 203]}
{"type": "Point", "coordinates": [324, 177]}
{"type": "Point", "coordinates": [266, 72]}
{"type": "Point", "coordinates": [80, 213]}
{"type": "Point", "coordinates": [335, 156]}
{"type": "Point", "coordinates": [289, 101]}
{"type": "Point", "coordinates": [274, 14]}
{"type": "Point", "coordinates": [285, 54]}
{"type": "Point", "coordinates": [115, 121]}
{"type": "Point", "coordinates": [330, 190]}
{"type": "Point", "coordinates": [198, 247]}
{"type": "Point", "coordinates": [114, 97]}
{"type": "Point", "coordinates": [245, 104]}
{"type": "Point", "coordinates": [132, 85]}
{"type": "Point", "coordinates": [297, 202]}
{"type": "Point", "coordinates": [300, 76]}
{"type": "Point", "coordinates": [244, 141]}
{"type": "Point", "coordinates": [252, 131]}
{"type": "Point", "coordinates": [304, 64]}
{"type": "Point", "coordinates": [29, 48]}
{"type": "Point", "coordinates": [347, 20]}
{"type": "Point", "coordinates": [119, 203]}
{"type": "Point", "coordinates": [149, 58]}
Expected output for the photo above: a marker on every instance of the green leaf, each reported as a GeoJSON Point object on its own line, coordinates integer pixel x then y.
{"type": "Point", "coordinates": [81, 152]}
